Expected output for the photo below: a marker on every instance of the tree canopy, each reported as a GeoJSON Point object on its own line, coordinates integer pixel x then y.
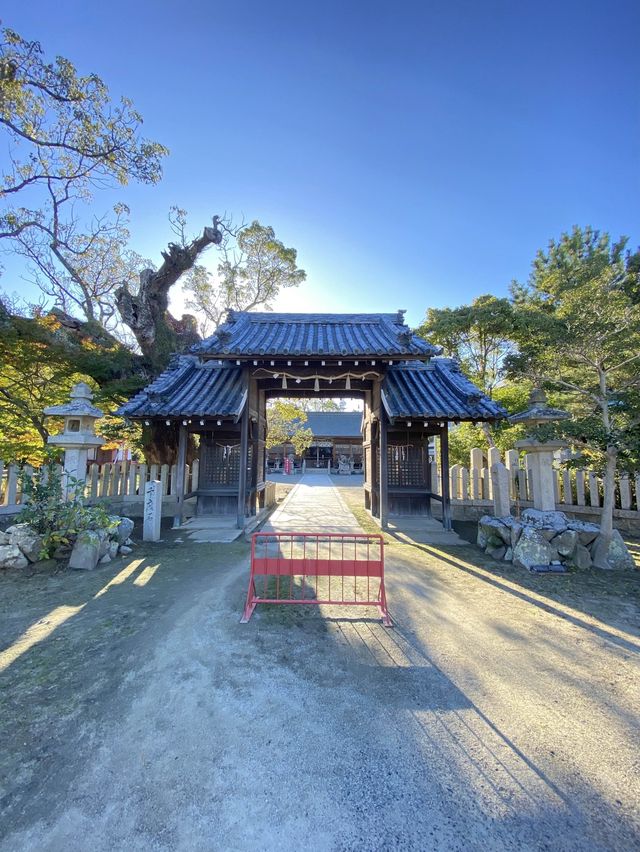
{"type": "Point", "coordinates": [286, 425]}
{"type": "Point", "coordinates": [109, 318]}
{"type": "Point", "coordinates": [66, 134]}
{"type": "Point", "coordinates": [574, 329]}
{"type": "Point", "coordinates": [581, 311]}
{"type": "Point", "coordinates": [479, 335]}
{"type": "Point", "coordinates": [253, 271]}
{"type": "Point", "coordinates": [68, 138]}
{"type": "Point", "coordinates": [41, 358]}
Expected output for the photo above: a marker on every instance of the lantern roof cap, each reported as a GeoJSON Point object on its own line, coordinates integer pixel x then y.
{"type": "Point", "coordinates": [538, 411]}
{"type": "Point", "coordinates": [78, 406]}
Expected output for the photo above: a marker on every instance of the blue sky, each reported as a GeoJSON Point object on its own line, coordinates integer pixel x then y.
{"type": "Point", "coordinates": [415, 154]}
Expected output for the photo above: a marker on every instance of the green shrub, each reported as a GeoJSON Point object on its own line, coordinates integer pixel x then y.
{"type": "Point", "coordinates": [57, 520]}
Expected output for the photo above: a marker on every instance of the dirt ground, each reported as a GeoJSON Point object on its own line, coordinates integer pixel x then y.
{"type": "Point", "coordinates": [501, 712]}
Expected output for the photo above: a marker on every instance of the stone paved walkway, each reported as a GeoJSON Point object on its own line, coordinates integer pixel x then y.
{"type": "Point", "coordinates": [314, 505]}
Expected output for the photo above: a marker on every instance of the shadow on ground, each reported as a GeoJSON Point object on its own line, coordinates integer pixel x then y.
{"type": "Point", "coordinates": [501, 712]}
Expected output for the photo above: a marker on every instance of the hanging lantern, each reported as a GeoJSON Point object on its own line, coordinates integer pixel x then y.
{"type": "Point", "coordinates": [316, 385]}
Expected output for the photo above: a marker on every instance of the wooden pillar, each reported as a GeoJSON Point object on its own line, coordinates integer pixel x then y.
{"type": "Point", "coordinates": [244, 462]}
{"type": "Point", "coordinates": [253, 484]}
{"type": "Point", "coordinates": [427, 477]}
{"type": "Point", "coordinates": [179, 483]}
{"type": "Point", "coordinates": [384, 472]}
{"type": "Point", "coordinates": [444, 466]}
{"type": "Point", "coordinates": [375, 469]}
{"type": "Point", "coordinates": [262, 431]}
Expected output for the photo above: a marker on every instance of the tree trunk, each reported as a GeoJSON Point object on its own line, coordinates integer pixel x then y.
{"type": "Point", "coordinates": [146, 312]}
{"type": "Point", "coordinates": [608, 504]}
{"type": "Point", "coordinates": [486, 430]}
{"type": "Point", "coordinates": [160, 444]}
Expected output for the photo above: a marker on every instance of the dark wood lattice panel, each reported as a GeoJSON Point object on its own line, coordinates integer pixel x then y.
{"type": "Point", "coordinates": [220, 465]}
{"type": "Point", "coordinates": [406, 466]}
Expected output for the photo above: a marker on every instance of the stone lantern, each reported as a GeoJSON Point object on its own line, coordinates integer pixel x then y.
{"type": "Point", "coordinates": [78, 435]}
{"type": "Point", "coordinates": [540, 454]}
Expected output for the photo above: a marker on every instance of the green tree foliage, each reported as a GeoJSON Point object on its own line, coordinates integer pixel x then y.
{"type": "Point", "coordinates": [479, 335]}
{"type": "Point", "coordinates": [514, 396]}
{"type": "Point", "coordinates": [40, 361]}
{"type": "Point", "coordinates": [31, 378]}
{"type": "Point", "coordinates": [255, 268]}
{"type": "Point", "coordinates": [581, 313]}
{"type": "Point", "coordinates": [286, 425]}
{"type": "Point", "coordinates": [56, 519]}
{"type": "Point", "coordinates": [66, 134]}
{"type": "Point", "coordinates": [66, 137]}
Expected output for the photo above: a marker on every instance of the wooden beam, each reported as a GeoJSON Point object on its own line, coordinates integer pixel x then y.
{"type": "Point", "coordinates": [180, 470]}
{"type": "Point", "coordinates": [427, 477]}
{"type": "Point", "coordinates": [444, 467]}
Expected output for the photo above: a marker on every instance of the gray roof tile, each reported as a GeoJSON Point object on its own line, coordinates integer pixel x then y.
{"type": "Point", "coordinates": [248, 334]}
{"type": "Point", "coordinates": [190, 388]}
{"type": "Point", "coordinates": [438, 389]}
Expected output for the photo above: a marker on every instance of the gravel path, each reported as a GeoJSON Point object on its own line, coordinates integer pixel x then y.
{"type": "Point", "coordinates": [494, 716]}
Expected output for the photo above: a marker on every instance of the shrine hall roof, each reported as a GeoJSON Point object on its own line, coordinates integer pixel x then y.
{"type": "Point", "coordinates": [249, 334]}
{"type": "Point", "coordinates": [438, 389]}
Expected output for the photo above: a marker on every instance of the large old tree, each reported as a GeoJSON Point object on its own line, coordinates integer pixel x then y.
{"type": "Point", "coordinates": [109, 316]}
{"type": "Point", "coordinates": [67, 138]}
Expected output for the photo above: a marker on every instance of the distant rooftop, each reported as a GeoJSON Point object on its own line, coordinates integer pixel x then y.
{"type": "Point", "coordinates": [335, 424]}
{"type": "Point", "coordinates": [255, 335]}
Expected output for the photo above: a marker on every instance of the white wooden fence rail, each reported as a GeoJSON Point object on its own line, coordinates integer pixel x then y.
{"type": "Point", "coordinates": [117, 482]}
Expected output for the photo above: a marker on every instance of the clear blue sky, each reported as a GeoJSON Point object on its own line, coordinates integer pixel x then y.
{"type": "Point", "coordinates": [415, 153]}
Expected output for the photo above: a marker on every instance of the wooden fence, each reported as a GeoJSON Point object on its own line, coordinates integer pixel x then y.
{"type": "Point", "coordinates": [122, 482]}
{"type": "Point", "coordinates": [574, 487]}
{"type": "Point", "coordinates": [125, 482]}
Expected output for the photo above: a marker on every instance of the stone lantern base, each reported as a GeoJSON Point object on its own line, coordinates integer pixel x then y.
{"type": "Point", "coordinates": [540, 463]}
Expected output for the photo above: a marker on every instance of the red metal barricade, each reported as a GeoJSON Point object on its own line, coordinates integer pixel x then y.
{"type": "Point", "coordinates": [345, 569]}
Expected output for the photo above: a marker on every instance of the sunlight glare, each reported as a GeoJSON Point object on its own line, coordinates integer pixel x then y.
{"type": "Point", "coordinates": [144, 576]}
{"type": "Point", "coordinates": [36, 633]}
